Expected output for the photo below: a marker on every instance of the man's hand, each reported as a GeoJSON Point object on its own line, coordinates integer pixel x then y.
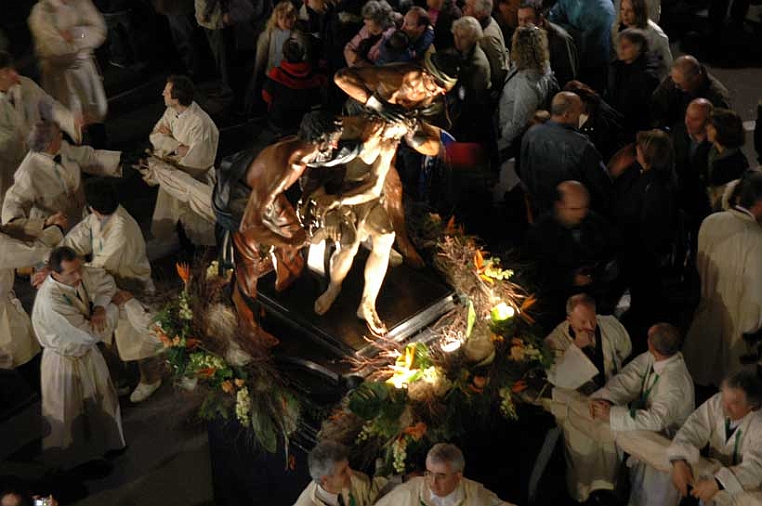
{"type": "Point", "coordinates": [59, 219]}
{"type": "Point", "coordinates": [98, 318]}
{"type": "Point", "coordinates": [39, 276]}
{"type": "Point", "coordinates": [182, 150]}
{"type": "Point", "coordinates": [682, 476]}
{"type": "Point", "coordinates": [163, 129]}
{"type": "Point", "coordinates": [122, 297]}
{"type": "Point", "coordinates": [600, 410]}
{"type": "Point", "coordinates": [705, 489]}
{"type": "Point", "coordinates": [583, 339]}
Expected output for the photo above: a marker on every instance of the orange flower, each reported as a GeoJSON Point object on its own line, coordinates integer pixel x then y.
{"type": "Point", "coordinates": [475, 389]}
{"type": "Point", "coordinates": [519, 386]}
{"type": "Point", "coordinates": [479, 382]}
{"type": "Point", "coordinates": [207, 373]}
{"type": "Point", "coordinates": [416, 431]}
{"type": "Point", "coordinates": [227, 387]}
{"type": "Point", "coordinates": [176, 341]}
{"type": "Point", "coordinates": [191, 342]}
{"type": "Point", "coordinates": [479, 261]}
{"type": "Point", "coordinates": [451, 229]}
{"type": "Point", "coordinates": [495, 338]}
{"type": "Point", "coordinates": [183, 270]}
{"type": "Point", "coordinates": [239, 382]}
{"type": "Point", "coordinates": [164, 338]}
{"type": "Point", "coordinates": [517, 342]}
{"type": "Point", "coordinates": [291, 462]}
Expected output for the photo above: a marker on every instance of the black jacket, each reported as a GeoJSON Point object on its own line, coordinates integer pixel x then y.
{"type": "Point", "coordinates": [629, 92]}
{"type": "Point", "coordinates": [725, 169]}
{"type": "Point", "coordinates": [670, 103]}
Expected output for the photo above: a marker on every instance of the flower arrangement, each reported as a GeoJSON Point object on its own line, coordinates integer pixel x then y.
{"type": "Point", "coordinates": [232, 376]}
{"type": "Point", "coordinates": [482, 359]}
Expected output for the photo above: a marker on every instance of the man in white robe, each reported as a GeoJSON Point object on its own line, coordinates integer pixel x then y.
{"type": "Point", "coordinates": [730, 265]}
{"type": "Point", "coordinates": [590, 349]}
{"type": "Point", "coordinates": [66, 33]}
{"type": "Point", "coordinates": [18, 345]}
{"type": "Point", "coordinates": [114, 240]}
{"type": "Point", "coordinates": [730, 424]}
{"type": "Point", "coordinates": [72, 313]}
{"type": "Point", "coordinates": [23, 104]}
{"type": "Point", "coordinates": [654, 392]}
{"type": "Point", "coordinates": [49, 179]}
{"type": "Point", "coordinates": [334, 482]}
{"type": "Point", "coordinates": [442, 485]}
{"type": "Point", "coordinates": [187, 137]}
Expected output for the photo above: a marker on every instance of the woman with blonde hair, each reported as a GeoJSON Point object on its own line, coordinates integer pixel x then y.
{"type": "Point", "coordinates": [634, 14]}
{"type": "Point", "coordinates": [528, 86]}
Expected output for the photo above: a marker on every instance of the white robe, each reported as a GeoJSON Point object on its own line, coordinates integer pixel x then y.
{"type": "Point", "coordinates": [740, 456]}
{"type": "Point", "coordinates": [17, 341]}
{"type": "Point", "coordinates": [41, 187]}
{"type": "Point", "coordinates": [69, 71]}
{"type": "Point", "coordinates": [30, 105]}
{"type": "Point", "coordinates": [415, 492]}
{"type": "Point", "coordinates": [363, 490]}
{"type": "Point", "coordinates": [79, 400]}
{"type": "Point", "coordinates": [668, 404]}
{"type": "Point", "coordinates": [579, 445]}
{"type": "Point", "coordinates": [117, 245]}
{"type": "Point", "coordinates": [730, 265]}
{"type": "Point", "coordinates": [195, 129]}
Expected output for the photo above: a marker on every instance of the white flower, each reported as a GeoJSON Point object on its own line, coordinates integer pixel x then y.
{"type": "Point", "coordinates": [243, 406]}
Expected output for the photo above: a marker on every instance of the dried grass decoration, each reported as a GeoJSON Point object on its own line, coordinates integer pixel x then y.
{"type": "Point", "coordinates": [231, 375]}
{"type": "Point", "coordinates": [484, 356]}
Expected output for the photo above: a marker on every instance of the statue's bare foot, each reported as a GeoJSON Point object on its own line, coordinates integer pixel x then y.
{"type": "Point", "coordinates": [325, 301]}
{"type": "Point", "coordinates": [368, 313]}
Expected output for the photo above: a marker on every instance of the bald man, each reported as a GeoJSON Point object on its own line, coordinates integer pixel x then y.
{"type": "Point", "coordinates": [691, 162]}
{"type": "Point", "coordinates": [571, 247]}
{"type": "Point", "coordinates": [688, 80]}
{"type": "Point", "coordinates": [556, 151]}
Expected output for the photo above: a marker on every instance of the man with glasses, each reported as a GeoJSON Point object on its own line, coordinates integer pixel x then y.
{"type": "Point", "coordinates": [443, 484]}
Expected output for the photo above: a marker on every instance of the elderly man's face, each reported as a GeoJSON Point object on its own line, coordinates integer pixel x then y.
{"type": "Point", "coordinates": [572, 208]}
{"type": "Point", "coordinates": [695, 120]}
{"type": "Point", "coordinates": [71, 273]}
{"type": "Point", "coordinates": [527, 16]}
{"type": "Point", "coordinates": [440, 478]}
{"type": "Point", "coordinates": [469, 9]}
{"type": "Point", "coordinates": [734, 403]}
{"type": "Point", "coordinates": [682, 82]}
{"type": "Point", "coordinates": [583, 319]}
{"type": "Point", "coordinates": [410, 25]}
{"type": "Point", "coordinates": [339, 479]}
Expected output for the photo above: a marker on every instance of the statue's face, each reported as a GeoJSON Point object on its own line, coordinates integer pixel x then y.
{"type": "Point", "coordinates": [326, 148]}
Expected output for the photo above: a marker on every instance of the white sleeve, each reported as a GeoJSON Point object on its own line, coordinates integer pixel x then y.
{"type": "Point", "coordinates": [694, 434]}
{"type": "Point", "coordinates": [15, 253]}
{"type": "Point", "coordinates": [79, 238]}
{"type": "Point", "coordinates": [99, 162]}
{"type": "Point", "coordinates": [625, 386]}
{"type": "Point", "coordinates": [163, 144]}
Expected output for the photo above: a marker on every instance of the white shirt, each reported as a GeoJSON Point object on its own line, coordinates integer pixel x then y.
{"type": "Point", "coordinates": [451, 499]}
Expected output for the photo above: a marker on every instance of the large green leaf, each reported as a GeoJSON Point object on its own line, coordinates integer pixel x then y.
{"type": "Point", "coordinates": [471, 318]}
{"type": "Point", "coordinates": [367, 400]}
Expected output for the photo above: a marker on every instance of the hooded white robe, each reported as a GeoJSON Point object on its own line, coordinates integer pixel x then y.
{"type": "Point", "coordinates": [69, 70]}
{"type": "Point", "coordinates": [415, 492]}
{"type": "Point", "coordinates": [79, 400]}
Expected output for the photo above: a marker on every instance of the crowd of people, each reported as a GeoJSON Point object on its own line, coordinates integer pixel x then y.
{"type": "Point", "coordinates": [628, 160]}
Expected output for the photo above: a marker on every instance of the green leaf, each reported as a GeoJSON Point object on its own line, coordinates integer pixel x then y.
{"type": "Point", "coordinates": [471, 318]}
{"type": "Point", "coordinates": [367, 400]}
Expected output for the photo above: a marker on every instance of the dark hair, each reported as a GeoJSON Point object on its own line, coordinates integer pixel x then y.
{"type": "Point", "coordinates": [749, 383]}
{"type": "Point", "coordinates": [749, 188]}
{"type": "Point", "coordinates": [729, 127]}
{"type": "Point", "coordinates": [580, 299]}
{"type": "Point", "coordinates": [535, 5]}
{"type": "Point", "coordinates": [423, 16]}
{"type": "Point", "coordinates": [656, 147]}
{"type": "Point", "coordinates": [6, 60]}
{"type": "Point", "coordinates": [58, 256]}
{"type": "Point", "coordinates": [102, 195]}
{"type": "Point", "coordinates": [293, 51]}
{"type": "Point", "coordinates": [665, 339]}
{"type": "Point", "coordinates": [640, 8]}
{"type": "Point", "coordinates": [588, 95]}
{"type": "Point", "coordinates": [397, 41]}
{"type": "Point", "coordinates": [636, 37]}
{"type": "Point", "coordinates": [182, 89]}
{"type": "Point", "coordinates": [318, 126]}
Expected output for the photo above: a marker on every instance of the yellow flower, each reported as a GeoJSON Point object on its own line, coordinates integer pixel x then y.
{"type": "Point", "coordinates": [239, 382]}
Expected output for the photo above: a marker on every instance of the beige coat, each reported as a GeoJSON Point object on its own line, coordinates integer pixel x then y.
{"type": "Point", "coordinates": [41, 187]}
{"type": "Point", "coordinates": [730, 265]}
{"type": "Point", "coordinates": [193, 128]}
{"type": "Point", "coordinates": [362, 489]}
{"type": "Point", "coordinates": [493, 45]}
{"type": "Point", "coordinates": [79, 400]}
{"type": "Point", "coordinates": [117, 245]}
{"type": "Point", "coordinates": [69, 71]}
{"type": "Point", "coordinates": [591, 462]}
{"type": "Point", "coordinates": [415, 492]}
{"type": "Point", "coordinates": [17, 341]}
{"type": "Point", "coordinates": [30, 105]}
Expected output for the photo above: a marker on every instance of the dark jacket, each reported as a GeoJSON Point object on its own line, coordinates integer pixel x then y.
{"type": "Point", "coordinates": [290, 91]}
{"type": "Point", "coordinates": [725, 168]}
{"type": "Point", "coordinates": [691, 166]}
{"type": "Point", "coordinates": [670, 103]}
{"type": "Point", "coordinates": [552, 153]}
{"type": "Point", "coordinates": [604, 129]}
{"type": "Point", "coordinates": [443, 38]}
{"type": "Point", "coordinates": [471, 98]}
{"type": "Point", "coordinates": [629, 92]}
{"type": "Point", "coordinates": [564, 59]}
